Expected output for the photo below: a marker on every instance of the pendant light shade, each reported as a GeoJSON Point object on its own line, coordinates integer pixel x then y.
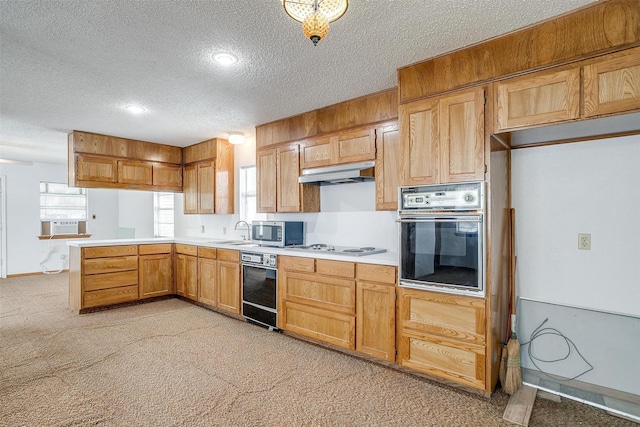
{"type": "Point", "coordinates": [315, 15]}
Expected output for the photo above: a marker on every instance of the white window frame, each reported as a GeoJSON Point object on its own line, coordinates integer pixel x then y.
{"type": "Point", "coordinates": [248, 192]}
{"type": "Point", "coordinates": [157, 209]}
{"type": "Point", "coordinates": [74, 192]}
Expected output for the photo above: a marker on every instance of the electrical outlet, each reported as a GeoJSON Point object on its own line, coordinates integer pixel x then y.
{"type": "Point", "coordinates": [202, 229]}
{"type": "Point", "coordinates": [584, 241]}
{"type": "Point", "coordinates": [63, 256]}
{"type": "Point", "coordinates": [224, 231]}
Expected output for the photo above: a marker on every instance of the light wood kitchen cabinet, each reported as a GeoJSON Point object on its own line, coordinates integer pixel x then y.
{"type": "Point", "coordinates": [387, 167]}
{"type": "Point", "coordinates": [443, 138]}
{"type": "Point", "coordinates": [612, 84]}
{"type": "Point", "coordinates": [442, 335]}
{"type": "Point", "coordinates": [229, 285]}
{"type": "Point", "coordinates": [340, 148]}
{"type": "Point", "coordinates": [103, 275]}
{"type": "Point", "coordinates": [208, 178]}
{"type": "Point", "coordinates": [187, 271]}
{"type": "Point", "coordinates": [207, 276]}
{"type": "Point", "coordinates": [102, 161]}
{"type": "Point", "coordinates": [539, 98]}
{"type": "Point", "coordinates": [375, 311]}
{"type": "Point", "coordinates": [155, 270]}
{"type": "Point", "coordinates": [319, 304]}
{"type": "Point", "coordinates": [277, 171]}
{"type": "Point", "coordinates": [317, 152]}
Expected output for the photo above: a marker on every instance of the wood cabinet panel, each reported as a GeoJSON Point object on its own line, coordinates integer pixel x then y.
{"type": "Point", "coordinates": [155, 275]}
{"type": "Point", "coordinates": [329, 293]}
{"type": "Point", "coordinates": [155, 248]}
{"type": "Point", "coordinates": [419, 139]}
{"type": "Point", "coordinates": [457, 361]}
{"type": "Point", "coordinates": [288, 171]}
{"type": "Point", "coordinates": [266, 180]}
{"type": "Point", "coordinates": [228, 255]}
{"type": "Point", "coordinates": [109, 296]}
{"type": "Point", "coordinates": [135, 173]}
{"type": "Point", "coordinates": [110, 280]}
{"type": "Point", "coordinates": [190, 189]}
{"type": "Point", "coordinates": [612, 84]}
{"type": "Point", "coordinates": [206, 186]}
{"type": "Point", "coordinates": [229, 286]}
{"type": "Point", "coordinates": [96, 169]}
{"type": "Point", "coordinates": [186, 249]}
{"type": "Point", "coordinates": [316, 153]}
{"type": "Point", "coordinates": [375, 319]}
{"type": "Point", "coordinates": [93, 143]}
{"type": "Point", "coordinates": [187, 276]}
{"type": "Point", "coordinates": [108, 251]}
{"type": "Point", "coordinates": [376, 273]}
{"type": "Point", "coordinates": [388, 163]}
{"type": "Point", "coordinates": [293, 263]}
{"type": "Point", "coordinates": [355, 146]}
{"type": "Point", "coordinates": [207, 286]}
{"type": "Point", "coordinates": [204, 252]}
{"type": "Point", "coordinates": [109, 264]}
{"type": "Point", "coordinates": [328, 326]}
{"type": "Point", "coordinates": [167, 176]}
{"type": "Point", "coordinates": [539, 98]}
{"type": "Point", "coordinates": [335, 268]}
{"type": "Point", "coordinates": [462, 136]}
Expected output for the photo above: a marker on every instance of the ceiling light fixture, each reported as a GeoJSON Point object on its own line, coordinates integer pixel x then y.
{"type": "Point", "coordinates": [315, 15]}
{"type": "Point", "coordinates": [236, 138]}
{"type": "Point", "coordinates": [135, 109]}
{"type": "Point", "coordinates": [225, 58]}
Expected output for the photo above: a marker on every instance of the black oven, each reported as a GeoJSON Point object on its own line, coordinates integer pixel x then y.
{"type": "Point", "coordinates": [441, 238]}
{"type": "Point", "coordinates": [259, 288]}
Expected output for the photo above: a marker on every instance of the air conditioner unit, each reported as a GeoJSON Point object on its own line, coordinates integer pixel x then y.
{"type": "Point", "coordinates": [64, 227]}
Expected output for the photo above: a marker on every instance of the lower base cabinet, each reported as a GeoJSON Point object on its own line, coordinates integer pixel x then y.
{"type": "Point", "coordinates": [442, 335]}
{"type": "Point", "coordinates": [187, 271]}
{"type": "Point", "coordinates": [207, 276]}
{"type": "Point", "coordinates": [228, 296]}
{"type": "Point", "coordinates": [155, 270]}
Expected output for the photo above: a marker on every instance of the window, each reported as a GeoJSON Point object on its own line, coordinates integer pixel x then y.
{"type": "Point", "coordinates": [248, 200]}
{"type": "Point", "coordinates": [58, 201]}
{"type": "Point", "coordinates": [163, 214]}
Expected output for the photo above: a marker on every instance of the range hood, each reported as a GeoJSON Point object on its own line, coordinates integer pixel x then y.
{"type": "Point", "coordinates": [339, 174]}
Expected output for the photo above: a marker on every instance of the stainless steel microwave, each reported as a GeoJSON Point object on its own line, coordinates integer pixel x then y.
{"type": "Point", "coordinates": [278, 233]}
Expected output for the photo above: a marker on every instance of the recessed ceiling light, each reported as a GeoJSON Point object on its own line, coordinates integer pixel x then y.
{"type": "Point", "coordinates": [135, 109]}
{"type": "Point", "coordinates": [225, 58]}
{"type": "Point", "coordinates": [236, 138]}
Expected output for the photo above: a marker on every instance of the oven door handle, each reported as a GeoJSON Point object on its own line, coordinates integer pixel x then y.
{"type": "Point", "coordinates": [440, 219]}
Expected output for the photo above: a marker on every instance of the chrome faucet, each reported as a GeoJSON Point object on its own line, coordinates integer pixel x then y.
{"type": "Point", "coordinates": [248, 237]}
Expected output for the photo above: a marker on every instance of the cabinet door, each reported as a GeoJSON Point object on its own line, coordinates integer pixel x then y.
{"type": "Point", "coordinates": [375, 320]}
{"type": "Point", "coordinates": [316, 153]}
{"type": "Point", "coordinates": [612, 85]}
{"type": "Point", "coordinates": [419, 139]}
{"type": "Point", "coordinates": [539, 98]}
{"type": "Point", "coordinates": [330, 293]}
{"type": "Point", "coordinates": [207, 281]}
{"type": "Point", "coordinates": [167, 176]}
{"type": "Point", "coordinates": [206, 188]}
{"type": "Point", "coordinates": [266, 180]}
{"type": "Point", "coordinates": [187, 276]}
{"type": "Point", "coordinates": [324, 325]}
{"type": "Point", "coordinates": [229, 286]}
{"type": "Point", "coordinates": [95, 168]}
{"type": "Point", "coordinates": [462, 137]}
{"type": "Point", "coordinates": [288, 171]}
{"type": "Point", "coordinates": [155, 275]}
{"type": "Point", "coordinates": [356, 146]}
{"type": "Point", "coordinates": [135, 173]}
{"type": "Point", "coordinates": [190, 189]}
{"type": "Point", "coordinates": [387, 167]}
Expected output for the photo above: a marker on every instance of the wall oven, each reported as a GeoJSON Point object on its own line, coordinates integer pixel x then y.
{"type": "Point", "coordinates": [259, 288]}
{"type": "Point", "coordinates": [441, 232]}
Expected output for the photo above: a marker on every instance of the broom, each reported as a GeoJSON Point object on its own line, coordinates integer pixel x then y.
{"type": "Point", "coordinates": [513, 375]}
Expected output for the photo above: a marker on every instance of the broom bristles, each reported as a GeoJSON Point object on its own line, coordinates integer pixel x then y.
{"type": "Point", "coordinates": [513, 379]}
{"type": "Point", "coordinates": [502, 372]}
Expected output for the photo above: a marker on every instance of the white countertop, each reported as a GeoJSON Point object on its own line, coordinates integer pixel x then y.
{"type": "Point", "coordinates": [385, 258]}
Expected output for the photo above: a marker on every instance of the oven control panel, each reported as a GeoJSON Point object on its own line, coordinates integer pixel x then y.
{"type": "Point", "coordinates": [265, 260]}
{"type": "Point", "coordinates": [442, 197]}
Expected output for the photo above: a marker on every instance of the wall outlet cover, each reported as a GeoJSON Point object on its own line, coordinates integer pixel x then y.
{"type": "Point", "coordinates": [584, 241]}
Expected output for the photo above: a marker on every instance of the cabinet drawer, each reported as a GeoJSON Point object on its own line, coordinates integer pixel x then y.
{"type": "Point", "coordinates": [292, 263]}
{"type": "Point", "coordinates": [334, 328]}
{"type": "Point", "coordinates": [228, 255]}
{"type": "Point", "coordinates": [377, 273]}
{"type": "Point", "coordinates": [329, 293]}
{"type": "Point", "coordinates": [109, 265]}
{"type": "Point", "coordinates": [109, 280]}
{"type": "Point", "coordinates": [207, 252]}
{"type": "Point", "coordinates": [463, 363]}
{"type": "Point", "coordinates": [107, 251]}
{"type": "Point", "coordinates": [110, 296]}
{"type": "Point", "coordinates": [186, 249]}
{"type": "Point", "coordinates": [162, 248]}
{"type": "Point", "coordinates": [336, 268]}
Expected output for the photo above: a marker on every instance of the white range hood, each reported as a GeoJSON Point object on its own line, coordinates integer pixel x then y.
{"type": "Point", "coordinates": [339, 174]}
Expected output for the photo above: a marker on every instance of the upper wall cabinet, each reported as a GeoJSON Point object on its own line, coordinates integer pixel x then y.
{"type": "Point", "coordinates": [344, 147]}
{"type": "Point", "coordinates": [101, 161]}
{"type": "Point", "coordinates": [610, 85]}
{"type": "Point", "coordinates": [208, 178]}
{"type": "Point", "coordinates": [443, 138]}
{"type": "Point", "coordinates": [387, 167]}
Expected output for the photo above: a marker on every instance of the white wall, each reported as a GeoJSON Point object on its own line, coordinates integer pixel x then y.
{"type": "Point", "coordinates": [135, 210]}
{"type": "Point", "coordinates": [587, 187]}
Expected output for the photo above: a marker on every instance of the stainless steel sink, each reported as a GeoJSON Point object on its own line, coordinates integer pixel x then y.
{"type": "Point", "coordinates": [233, 242]}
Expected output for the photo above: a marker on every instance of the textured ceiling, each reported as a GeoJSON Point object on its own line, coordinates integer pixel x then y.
{"type": "Point", "coordinates": [74, 64]}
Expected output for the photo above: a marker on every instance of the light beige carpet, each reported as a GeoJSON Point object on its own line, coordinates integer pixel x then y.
{"type": "Point", "coordinates": [170, 363]}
